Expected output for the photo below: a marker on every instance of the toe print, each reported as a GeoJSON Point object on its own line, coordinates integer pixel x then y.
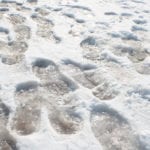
{"type": "Point", "coordinates": [52, 79]}
{"type": "Point", "coordinates": [90, 48]}
{"type": "Point", "coordinates": [44, 26]}
{"type": "Point", "coordinates": [44, 68]}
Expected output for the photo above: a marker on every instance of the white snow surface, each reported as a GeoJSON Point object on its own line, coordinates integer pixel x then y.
{"type": "Point", "coordinates": [81, 81]}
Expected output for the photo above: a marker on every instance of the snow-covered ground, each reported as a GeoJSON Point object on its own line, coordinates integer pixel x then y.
{"type": "Point", "coordinates": [74, 75]}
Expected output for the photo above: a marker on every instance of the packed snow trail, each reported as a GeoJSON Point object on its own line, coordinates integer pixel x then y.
{"type": "Point", "coordinates": [74, 74]}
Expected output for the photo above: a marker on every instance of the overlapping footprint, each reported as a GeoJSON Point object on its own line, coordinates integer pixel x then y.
{"type": "Point", "coordinates": [45, 28]}
{"type": "Point", "coordinates": [12, 51]}
{"type": "Point", "coordinates": [94, 79]}
{"type": "Point", "coordinates": [51, 78]}
{"type": "Point", "coordinates": [57, 86]}
{"type": "Point", "coordinates": [28, 96]}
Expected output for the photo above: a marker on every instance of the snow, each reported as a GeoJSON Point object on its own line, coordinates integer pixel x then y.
{"type": "Point", "coordinates": [74, 74]}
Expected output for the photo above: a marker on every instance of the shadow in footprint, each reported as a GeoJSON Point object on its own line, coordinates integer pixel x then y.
{"type": "Point", "coordinates": [26, 86]}
{"type": "Point", "coordinates": [90, 46]}
{"type": "Point", "coordinates": [111, 13]}
{"type": "Point", "coordinates": [44, 27]}
{"type": "Point", "coordinates": [43, 63]}
{"type": "Point", "coordinates": [138, 21]}
{"type": "Point", "coordinates": [4, 113]}
{"type": "Point", "coordinates": [44, 68]}
{"type": "Point", "coordinates": [81, 66]}
{"type": "Point", "coordinates": [4, 110]}
{"type": "Point", "coordinates": [112, 130]}
{"type": "Point", "coordinates": [4, 30]}
{"type": "Point", "coordinates": [32, 1]}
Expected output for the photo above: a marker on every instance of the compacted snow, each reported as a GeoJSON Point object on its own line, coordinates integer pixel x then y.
{"type": "Point", "coordinates": [74, 74]}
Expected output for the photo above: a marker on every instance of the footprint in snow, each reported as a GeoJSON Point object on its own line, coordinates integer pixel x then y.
{"type": "Point", "coordinates": [90, 48]}
{"type": "Point", "coordinates": [45, 28]}
{"type": "Point", "coordinates": [52, 79]}
{"type": "Point", "coordinates": [26, 119]}
{"type": "Point", "coordinates": [12, 52]}
{"type": "Point", "coordinates": [22, 32]}
{"type": "Point", "coordinates": [17, 19]}
{"type": "Point", "coordinates": [7, 141]}
{"type": "Point", "coordinates": [65, 120]}
{"type": "Point", "coordinates": [87, 76]}
{"type": "Point", "coordinates": [112, 130]}
{"type": "Point", "coordinates": [42, 11]}
{"type": "Point", "coordinates": [133, 50]}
